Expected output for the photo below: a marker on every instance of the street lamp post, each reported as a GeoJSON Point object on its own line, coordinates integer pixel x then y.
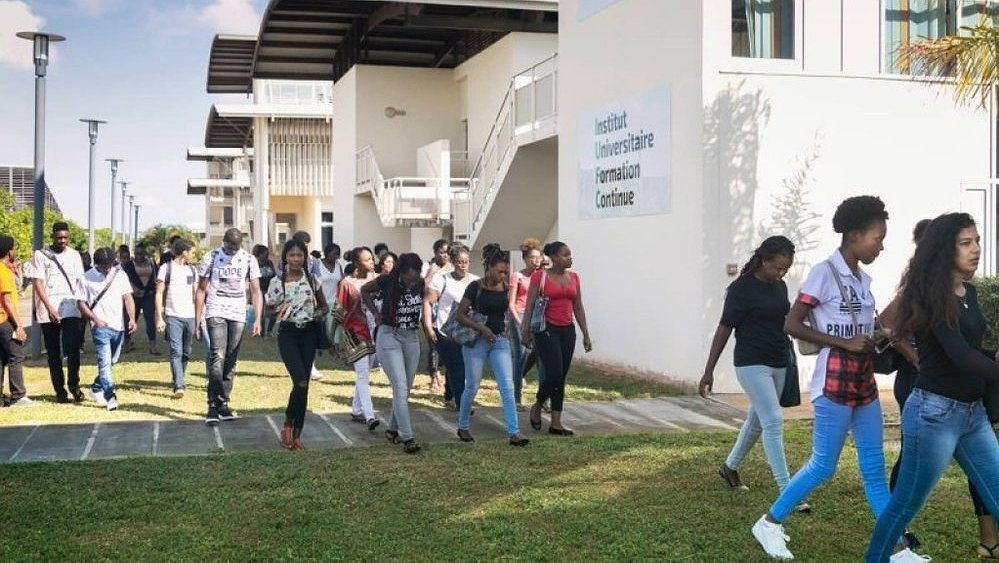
{"type": "Point", "coordinates": [92, 126]}
{"type": "Point", "coordinates": [124, 214]}
{"type": "Point", "coordinates": [137, 206]}
{"type": "Point", "coordinates": [114, 174]}
{"type": "Point", "coordinates": [41, 57]}
{"type": "Point", "coordinates": [132, 235]}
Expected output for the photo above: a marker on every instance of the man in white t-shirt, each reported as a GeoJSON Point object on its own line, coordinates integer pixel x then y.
{"type": "Point", "coordinates": [176, 284]}
{"type": "Point", "coordinates": [220, 306]}
{"type": "Point", "coordinates": [55, 271]}
{"type": "Point", "coordinates": [103, 294]}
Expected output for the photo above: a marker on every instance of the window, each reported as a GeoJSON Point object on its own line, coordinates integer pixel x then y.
{"type": "Point", "coordinates": [909, 21]}
{"type": "Point", "coordinates": [327, 228]}
{"type": "Point", "coordinates": [227, 216]}
{"type": "Point", "coordinates": [763, 29]}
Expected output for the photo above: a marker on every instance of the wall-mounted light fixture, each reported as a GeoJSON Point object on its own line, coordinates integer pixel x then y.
{"type": "Point", "coordinates": [391, 112]}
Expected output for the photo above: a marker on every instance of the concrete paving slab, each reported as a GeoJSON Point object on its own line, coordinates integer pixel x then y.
{"type": "Point", "coordinates": [56, 442]}
{"type": "Point", "coordinates": [13, 438]}
{"type": "Point", "coordinates": [121, 439]}
{"type": "Point", "coordinates": [183, 437]}
{"type": "Point", "coordinates": [676, 412]}
{"type": "Point", "coordinates": [246, 433]}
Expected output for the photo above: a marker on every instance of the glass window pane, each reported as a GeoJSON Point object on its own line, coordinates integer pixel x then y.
{"type": "Point", "coordinates": [763, 29]}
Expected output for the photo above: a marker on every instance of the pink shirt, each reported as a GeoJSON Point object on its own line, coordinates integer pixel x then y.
{"type": "Point", "coordinates": [560, 299]}
{"type": "Point", "coordinates": [522, 283]}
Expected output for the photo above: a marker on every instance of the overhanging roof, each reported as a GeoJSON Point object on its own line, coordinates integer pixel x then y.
{"type": "Point", "coordinates": [323, 39]}
{"type": "Point", "coordinates": [228, 132]}
{"type": "Point", "coordinates": [199, 186]}
{"type": "Point", "coordinates": [300, 111]}
{"type": "Point", "coordinates": [207, 154]}
{"type": "Point", "coordinates": [230, 64]}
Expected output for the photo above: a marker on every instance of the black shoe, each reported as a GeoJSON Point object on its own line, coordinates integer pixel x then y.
{"type": "Point", "coordinates": [359, 418]}
{"type": "Point", "coordinates": [410, 446]}
{"type": "Point", "coordinates": [912, 542]}
{"type": "Point", "coordinates": [465, 436]}
{"type": "Point", "coordinates": [77, 396]}
{"type": "Point", "coordinates": [212, 418]}
{"type": "Point", "coordinates": [62, 399]}
{"type": "Point", "coordinates": [392, 436]}
{"type": "Point", "coordinates": [372, 424]}
{"type": "Point", "coordinates": [225, 413]}
{"type": "Point", "coordinates": [519, 441]}
{"type": "Point", "coordinates": [560, 431]}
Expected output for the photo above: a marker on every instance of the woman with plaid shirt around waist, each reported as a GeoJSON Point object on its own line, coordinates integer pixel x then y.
{"type": "Point", "coordinates": [844, 394]}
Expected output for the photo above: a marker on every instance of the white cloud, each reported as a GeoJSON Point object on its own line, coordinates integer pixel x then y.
{"type": "Point", "coordinates": [219, 16]}
{"type": "Point", "coordinates": [94, 8]}
{"type": "Point", "coordinates": [15, 16]}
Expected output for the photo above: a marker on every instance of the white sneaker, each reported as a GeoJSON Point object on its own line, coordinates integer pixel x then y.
{"type": "Point", "coordinates": [98, 397]}
{"type": "Point", "coordinates": [24, 402]}
{"type": "Point", "coordinates": [112, 404]}
{"type": "Point", "coordinates": [316, 374]}
{"type": "Point", "coordinates": [909, 556]}
{"type": "Point", "coordinates": [772, 538]}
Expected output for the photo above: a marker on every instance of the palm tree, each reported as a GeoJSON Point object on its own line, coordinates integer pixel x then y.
{"type": "Point", "coordinates": [972, 59]}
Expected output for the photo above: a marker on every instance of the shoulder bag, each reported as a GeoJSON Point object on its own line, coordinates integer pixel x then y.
{"type": "Point", "coordinates": [464, 335]}
{"type": "Point", "coordinates": [538, 323]}
{"type": "Point", "coordinates": [806, 347]}
{"type": "Point", "coordinates": [790, 396]}
{"type": "Point", "coordinates": [324, 337]}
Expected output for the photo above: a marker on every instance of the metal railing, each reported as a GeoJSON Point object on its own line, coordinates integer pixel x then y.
{"type": "Point", "coordinates": [528, 112]}
{"type": "Point", "coordinates": [297, 92]}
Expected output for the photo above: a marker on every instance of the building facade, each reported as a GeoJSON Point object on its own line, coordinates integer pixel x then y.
{"type": "Point", "coordinates": [19, 182]}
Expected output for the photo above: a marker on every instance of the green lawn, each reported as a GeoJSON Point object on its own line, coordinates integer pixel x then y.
{"type": "Point", "coordinates": [262, 385]}
{"type": "Point", "coordinates": [623, 498]}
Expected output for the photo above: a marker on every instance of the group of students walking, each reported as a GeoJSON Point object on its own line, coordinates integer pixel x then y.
{"type": "Point", "coordinates": [945, 385]}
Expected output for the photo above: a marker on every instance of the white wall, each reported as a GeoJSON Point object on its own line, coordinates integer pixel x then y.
{"type": "Point", "coordinates": [642, 277]}
{"type": "Point", "coordinates": [344, 150]}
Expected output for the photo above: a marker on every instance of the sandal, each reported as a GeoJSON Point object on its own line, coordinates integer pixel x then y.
{"type": "Point", "coordinates": [392, 436]}
{"type": "Point", "coordinates": [410, 446]}
{"type": "Point", "coordinates": [986, 552]}
{"type": "Point", "coordinates": [535, 423]}
{"type": "Point", "coordinates": [731, 477]}
{"type": "Point", "coordinates": [518, 440]}
{"type": "Point", "coordinates": [465, 436]}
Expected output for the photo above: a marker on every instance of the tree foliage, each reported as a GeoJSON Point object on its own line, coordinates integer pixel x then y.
{"type": "Point", "coordinates": [971, 58]}
{"type": "Point", "coordinates": [157, 237]}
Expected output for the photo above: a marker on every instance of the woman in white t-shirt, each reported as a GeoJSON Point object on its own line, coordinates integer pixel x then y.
{"type": "Point", "coordinates": [176, 284]}
{"type": "Point", "coordinates": [442, 295]}
{"type": "Point", "coordinates": [837, 294]}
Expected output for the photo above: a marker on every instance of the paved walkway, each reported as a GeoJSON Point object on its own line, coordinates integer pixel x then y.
{"type": "Point", "coordinates": [52, 442]}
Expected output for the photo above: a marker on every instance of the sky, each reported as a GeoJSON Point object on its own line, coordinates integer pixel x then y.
{"type": "Point", "coordinates": [140, 65]}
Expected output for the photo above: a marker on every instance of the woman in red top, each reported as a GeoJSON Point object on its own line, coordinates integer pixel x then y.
{"type": "Point", "coordinates": [520, 283]}
{"type": "Point", "coordinates": [356, 320]}
{"type": "Point", "coordinates": [555, 345]}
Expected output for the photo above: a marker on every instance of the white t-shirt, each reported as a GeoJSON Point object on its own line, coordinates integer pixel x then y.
{"type": "Point", "coordinates": [62, 295]}
{"type": "Point", "coordinates": [330, 280]}
{"type": "Point", "coordinates": [832, 316]}
{"type": "Point", "coordinates": [226, 296]}
{"type": "Point", "coordinates": [110, 308]}
{"type": "Point", "coordinates": [449, 291]}
{"type": "Point", "coordinates": [179, 296]}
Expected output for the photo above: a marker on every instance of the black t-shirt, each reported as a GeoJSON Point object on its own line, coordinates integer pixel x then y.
{"type": "Point", "coordinates": [405, 310]}
{"type": "Point", "coordinates": [952, 361]}
{"type": "Point", "coordinates": [491, 303]}
{"type": "Point", "coordinates": [756, 310]}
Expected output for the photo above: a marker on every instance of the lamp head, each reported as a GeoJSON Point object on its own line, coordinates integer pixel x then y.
{"type": "Point", "coordinates": [41, 47]}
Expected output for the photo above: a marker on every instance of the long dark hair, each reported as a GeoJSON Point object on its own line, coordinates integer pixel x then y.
{"type": "Point", "coordinates": [773, 246]}
{"type": "Point", "coordinates": [927, 286]}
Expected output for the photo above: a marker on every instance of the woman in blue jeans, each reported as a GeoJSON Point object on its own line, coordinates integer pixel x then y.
{"type": "Point", "coordinates": [755, 306]}
{"type": "Point", "coordinates": [837, 296]}
{"type": "Point", "coordinates": [488, 298]}
{"type": "Point", "coordinates": [944, 416]}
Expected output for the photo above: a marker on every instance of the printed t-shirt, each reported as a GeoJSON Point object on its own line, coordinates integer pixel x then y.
{"type": "Point", "coordinates": [8, 286]}
{"type": "Point", "coordinates": [226, 296]}
{"type": "Point", "coordinates": [844, 377]}
{"type": "Point", "coordinates": [493, 304]}
{"type": "Point", "coordinates": [179, 296]}
{"type": "Point", "coordinates": [300, 294]}
{"type": "Point", "coordinates": [62, 295]}
{"type": "Point", "coordinates": [756, 310]}
{"type": "Point", "coordinates": [110, 308]}
{"type": "Point", "coordinates": [449, 294]}
{"type": "Point", "coordinates": [560, 299]}
{"type": "Point", "coordinates": [405, 312]}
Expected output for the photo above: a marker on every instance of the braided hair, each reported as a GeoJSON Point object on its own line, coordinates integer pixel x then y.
{"type": "Point", "coordinates": [769, 248]}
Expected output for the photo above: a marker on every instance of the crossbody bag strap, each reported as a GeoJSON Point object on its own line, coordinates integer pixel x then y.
{"type": "Point", "coordinates": [107, 286]}
{"type": "Point", "coordinates": [846, 299]}
{"type": "Point", "coordinates": [544, 274]}
{"type": "Point", "coordinates": [51, 256]}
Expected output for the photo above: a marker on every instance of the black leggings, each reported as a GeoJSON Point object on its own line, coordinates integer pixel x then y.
{"type": "Point", "coordinates": [298, 350]}
{"type": "Point", "coordinates": [905, 380]}
{"type": "Point", "coordinates": [554, 348]}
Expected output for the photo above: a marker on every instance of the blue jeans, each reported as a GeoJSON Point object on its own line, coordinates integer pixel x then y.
{"type": "Point", "coordinates": [763, 385]}
{"type": "Point", "coordinates": [937, 429]}
{"type": "Point", "coordinates": [832, 423]}
{"type": "Point", "coordinates": [107, 345]}
{"type": "Point", "coordinates": [520, 355]}
{"type": "Point", "coordinates": [399, 350]}
{"type": "Point", "coordinates": [498, 355]}
{"type": "Point", "coordinates": [224, 337]}
{"type": "Point", "coordinates": [180, 333]}
{"type": "Point", "coordinates": [454, 366]}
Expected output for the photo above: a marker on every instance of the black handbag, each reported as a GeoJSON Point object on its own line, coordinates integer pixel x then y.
{"type": "Point", "coordinates": [991, 402]}
{"type": "Point", "coordinates": [886, 360]}
{"type": "Point", "coordinates": [790, 396]}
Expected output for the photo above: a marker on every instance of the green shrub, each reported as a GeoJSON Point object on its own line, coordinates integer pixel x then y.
{"type": "Point", "coordinates": [988, 298]}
